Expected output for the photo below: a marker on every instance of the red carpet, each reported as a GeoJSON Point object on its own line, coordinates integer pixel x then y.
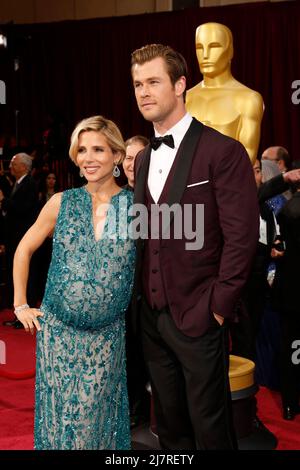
{"type": "Point", "coordinates": [269, 411]}
{"type": "Point", "coordinates": [16, 414]}
{"type": "Point", "coordinates": [17, 398]}
{"type": "Point", "coordinates": [17, 351]}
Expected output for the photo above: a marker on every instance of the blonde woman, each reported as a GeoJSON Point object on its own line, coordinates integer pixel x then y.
{"type": "Point", "coordinates": [81, 396]}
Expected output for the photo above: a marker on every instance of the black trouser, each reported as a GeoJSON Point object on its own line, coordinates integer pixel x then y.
{"type": "Point", "coordinates": [137, 376]}
{"type": "Point", "coordinates": [244, 333]}
{"type": "Point", "coordinates": [190, 384]}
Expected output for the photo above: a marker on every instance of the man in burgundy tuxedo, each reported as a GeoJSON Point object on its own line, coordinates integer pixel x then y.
{"type": "Point", "coordinates": [186, 290]}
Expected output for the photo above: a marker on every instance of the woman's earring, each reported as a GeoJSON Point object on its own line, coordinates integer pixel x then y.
{"type": "Point", "coordinates": [116, 172]}
{"type": "Point", "coordinates": [80, 174]}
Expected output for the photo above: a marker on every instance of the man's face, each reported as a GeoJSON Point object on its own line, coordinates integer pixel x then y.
{"type": "Point", "coordinates": [17, 168]}
{"type": "Point", "coordinates": [272, 154]}
{"type": "Point", "coordinates": [128, 163]}
{"type": "Point", "coordinates": [212, 49]}
{"type": "Point", "coordinates": [257, 173]}
{"type": "Point", "coordinates": [156, 96]}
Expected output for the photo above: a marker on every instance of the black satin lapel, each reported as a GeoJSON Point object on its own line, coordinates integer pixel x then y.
{"type": "Point", "coordinates": [187, 150]}
{"type": "Point", "coordinates": [141, 177]}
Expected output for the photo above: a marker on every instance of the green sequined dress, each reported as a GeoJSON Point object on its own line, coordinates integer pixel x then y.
{"type": "Point", "coordinates": [81, 392]}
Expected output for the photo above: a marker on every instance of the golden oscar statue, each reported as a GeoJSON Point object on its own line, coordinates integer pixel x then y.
{"type": "Point", "coordinates": [220, 101]}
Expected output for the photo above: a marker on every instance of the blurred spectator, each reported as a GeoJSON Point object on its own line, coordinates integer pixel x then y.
{"type": "Point", "coordinates": [133, 146]}
{"type": "Point", "coordinates": [19, 210]}
{"type": "Point", "coordinates": [137, 377]}
{"type": "Point", "coordinates": [269, 170]}
{"type": "Point", "coordinates": [268, 341]}
{"type": "Point", "coordinates": [287, 282]}
{"type": "Point", "coordinates": [48, 186]}
{"type": "Point", "coordinates": [6, 184]}
{"type": "Point", "coordinates": [280, 156]}
{"type": "Point", "coordinates": [251, 309]}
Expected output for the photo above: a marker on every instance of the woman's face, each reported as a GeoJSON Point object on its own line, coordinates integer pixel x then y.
{"type": "Point", "coordinates": [95, 157]}
{"type": "Point", "coordinates": [51, 180]}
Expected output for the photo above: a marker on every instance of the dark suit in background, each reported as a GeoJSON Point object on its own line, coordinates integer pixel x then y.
{"type": "Point", "coordinates": [20, 210]}
{"type": "Point", "coordinates": [287, 282]}
{"type": "Point", "coordinates": [251, 308]}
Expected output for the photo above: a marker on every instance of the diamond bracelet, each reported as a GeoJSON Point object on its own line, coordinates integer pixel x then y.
{"type": "Point", "coordinates": [20, 308]}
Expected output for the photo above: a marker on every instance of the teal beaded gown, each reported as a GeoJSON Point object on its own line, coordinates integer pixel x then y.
{"type": "Point", "coordinates": [81, 390]}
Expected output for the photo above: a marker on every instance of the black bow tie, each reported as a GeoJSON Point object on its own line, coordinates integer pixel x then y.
{"type": "Point", "coordinates": [166, 139]}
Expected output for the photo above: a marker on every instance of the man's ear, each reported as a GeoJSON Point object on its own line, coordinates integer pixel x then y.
{"type": "Point", "coordinates": [180, 86]}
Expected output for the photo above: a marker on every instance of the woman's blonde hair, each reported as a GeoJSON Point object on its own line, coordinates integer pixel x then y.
{"type": "Point", "coordinates": [98, 124]}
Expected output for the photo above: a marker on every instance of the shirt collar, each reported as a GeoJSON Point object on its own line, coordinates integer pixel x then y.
{"type": "Point", "coordinates": [21, 179]}
{"type": "Point", "coordinates": [179, 130]}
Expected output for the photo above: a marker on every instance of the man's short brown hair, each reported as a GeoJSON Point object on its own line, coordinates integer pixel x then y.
{"type": "Point", "coordinates": [175, 62]}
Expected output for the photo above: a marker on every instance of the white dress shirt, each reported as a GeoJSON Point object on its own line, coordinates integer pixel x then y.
{"type": "Point", "coordinates": [21, 179]}
{"type": "Point", "coordinates": [161, 160]}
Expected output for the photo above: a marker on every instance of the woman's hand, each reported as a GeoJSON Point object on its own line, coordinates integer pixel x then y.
{"type": "Point", "coordinates": [29, 319]}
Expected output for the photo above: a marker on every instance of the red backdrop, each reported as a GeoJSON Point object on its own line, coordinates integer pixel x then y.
{"type": "Point", "coordinates": [81, 68]}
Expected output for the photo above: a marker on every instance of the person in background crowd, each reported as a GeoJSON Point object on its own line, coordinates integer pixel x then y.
{"type": "Point", "coordinates": [287, 283]}
{"type": "Point", "coordinates": [19, 210]}
{"type": "Point", "coordinates": [137, 377]}
{"type": "Point", "coordinates": [48, 187]}
{"type": "Point", "coordinates": [283, 160]}
{"type": "Point", "coordinates": [280, 156]}
{"type": "Point", "coordinates": [267, 345]}
{"type": "Point", "coordinates": [133, 146]}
